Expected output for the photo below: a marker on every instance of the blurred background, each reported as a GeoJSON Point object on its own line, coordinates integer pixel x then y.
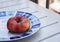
{"type": "Point", "coordinates": [53, 5]}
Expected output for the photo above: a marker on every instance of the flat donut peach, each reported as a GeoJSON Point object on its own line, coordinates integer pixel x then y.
{"type": "Point", "coordinates": [18, 24]}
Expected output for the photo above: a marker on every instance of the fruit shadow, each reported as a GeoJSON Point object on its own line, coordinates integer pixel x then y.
{"type": "Point", "coordinates": [18, 32]}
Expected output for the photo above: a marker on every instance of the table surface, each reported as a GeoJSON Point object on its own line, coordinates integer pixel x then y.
{"type": "Point", "coordinates": [50, 21]}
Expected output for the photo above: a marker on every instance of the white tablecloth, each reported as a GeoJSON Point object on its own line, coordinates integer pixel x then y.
{"type": "Point", "coordinates": [50, 21]}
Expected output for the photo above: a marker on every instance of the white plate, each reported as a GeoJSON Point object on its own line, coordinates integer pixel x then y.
{"type": "Point", "coordinates": [7, 36]}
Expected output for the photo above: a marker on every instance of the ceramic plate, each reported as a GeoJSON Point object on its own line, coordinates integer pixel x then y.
{"type": "Point", "coordinates": [5, 35]}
